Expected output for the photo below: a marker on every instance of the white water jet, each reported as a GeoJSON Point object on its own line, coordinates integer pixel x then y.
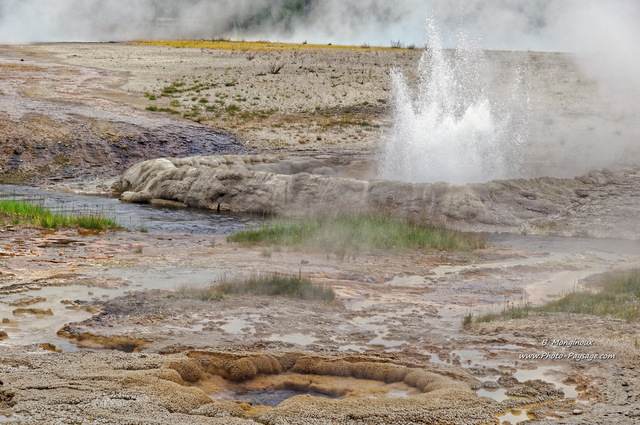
{"type": "Point", "coordinates": [450, 130]}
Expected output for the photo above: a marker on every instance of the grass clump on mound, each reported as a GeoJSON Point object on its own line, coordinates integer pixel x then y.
{"type": "Point", "coordinates": [616, 295]}
{"type": "Point", "coordinates": [274, 284]}
{"type": "Point", "coordinates": [354, 233]}
{"type": "Point", "coordinates": [21, 212]}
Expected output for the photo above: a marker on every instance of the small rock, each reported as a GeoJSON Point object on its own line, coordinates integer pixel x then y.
{"type": "Point", "coordinates": [135, 197]}
{"type": "Point", "coordinates": [167, 203]}
{"type": "Point", "coordinates": [34, 311]}
{"type": "Point", "coordinates": [577, 412]}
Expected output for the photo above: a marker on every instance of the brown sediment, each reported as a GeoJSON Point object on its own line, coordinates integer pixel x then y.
{"type": "Point", "coordinates": [189, 370]}
{"type": "Point", "coordinates": [15, 362]}
{"type": "Point", "coordinates": [20, 67]}
{"type": "Point", "coordinates": [242, 367]}
{"type": "Point", "coordinates": [50, 347]}
{"type": "Point", "coordinates": [6, 398]}
{"type": "Point", "coordinates": [22, 302]}
{"type": "Point", "coordinates": [34, 311]}
{"type": "Point", "coordinates": [121, 343]}
{"type": "Point", "coordinates": [264, 368]}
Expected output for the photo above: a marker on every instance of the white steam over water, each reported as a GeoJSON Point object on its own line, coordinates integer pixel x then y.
{"type": "Point", "coordinates": [447, 129]}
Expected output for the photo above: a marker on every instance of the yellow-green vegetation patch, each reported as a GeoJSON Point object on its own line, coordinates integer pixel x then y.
{"type": "Point", "coordinates": [253, 45]}
{"type": "Point", "coordinates": [615, 294]}
{"type": "Point", "coordinates": [357, 233]}
{"type": "Point", "coordinates": [24, 213]}
{"type": "Point", "coordinates": [276, 284]}
{"type": "Point", "coordinates": [21, 67]}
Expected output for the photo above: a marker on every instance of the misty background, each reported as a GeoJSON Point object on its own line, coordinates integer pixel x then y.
{"type": "Point", "coordinates": [542, 25]}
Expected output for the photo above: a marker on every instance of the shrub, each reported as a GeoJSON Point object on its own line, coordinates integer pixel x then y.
{"type": "Point", "coordinates": [275, 67]}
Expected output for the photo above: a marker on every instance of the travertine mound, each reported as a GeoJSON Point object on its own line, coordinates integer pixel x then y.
{"type": "Point", "coordinates": [111, 387]}
{"type": "Point", "coordinates": [443, 398]}
{"type": "Point", "coordinates": [105, 388]}
{"type": "Point", "coordinates": [598, 204]}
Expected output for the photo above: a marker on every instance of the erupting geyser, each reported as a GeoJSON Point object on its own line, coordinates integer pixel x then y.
{"type": "Point", "coordinates": [450, 130]}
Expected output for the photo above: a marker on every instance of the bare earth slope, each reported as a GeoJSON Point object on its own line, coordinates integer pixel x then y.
{"type": "Point", "coordinates": [57, 121]}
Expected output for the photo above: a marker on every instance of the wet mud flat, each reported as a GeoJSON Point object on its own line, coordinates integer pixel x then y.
{"type": "Point", "coordinates": [93, 331]}
{"type": "Point", "coordinates": [114, 292]}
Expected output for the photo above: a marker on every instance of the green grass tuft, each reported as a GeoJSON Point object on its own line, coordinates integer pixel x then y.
{"type": "Point", "coordinates": [467, 320]}
{"type": "Point", "coordinates": [20, 212]}
{"type": "Point", "coordinates": [616, 295]}
{"type": "Point", "coordinates": [276, 284]}
{"type": "Point", "coordinates": [355, 233]}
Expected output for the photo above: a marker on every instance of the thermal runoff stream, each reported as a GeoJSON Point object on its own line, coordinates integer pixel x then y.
{"type": "Point", "coordinates": [448, 128]}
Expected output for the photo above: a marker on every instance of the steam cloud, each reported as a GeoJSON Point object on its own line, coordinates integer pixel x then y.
{"type": "Point", "coordinates": [567, 25]}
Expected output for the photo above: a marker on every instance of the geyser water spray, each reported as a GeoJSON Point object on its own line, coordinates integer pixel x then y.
{"type": "Point", "coordinates": [448, 129]}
